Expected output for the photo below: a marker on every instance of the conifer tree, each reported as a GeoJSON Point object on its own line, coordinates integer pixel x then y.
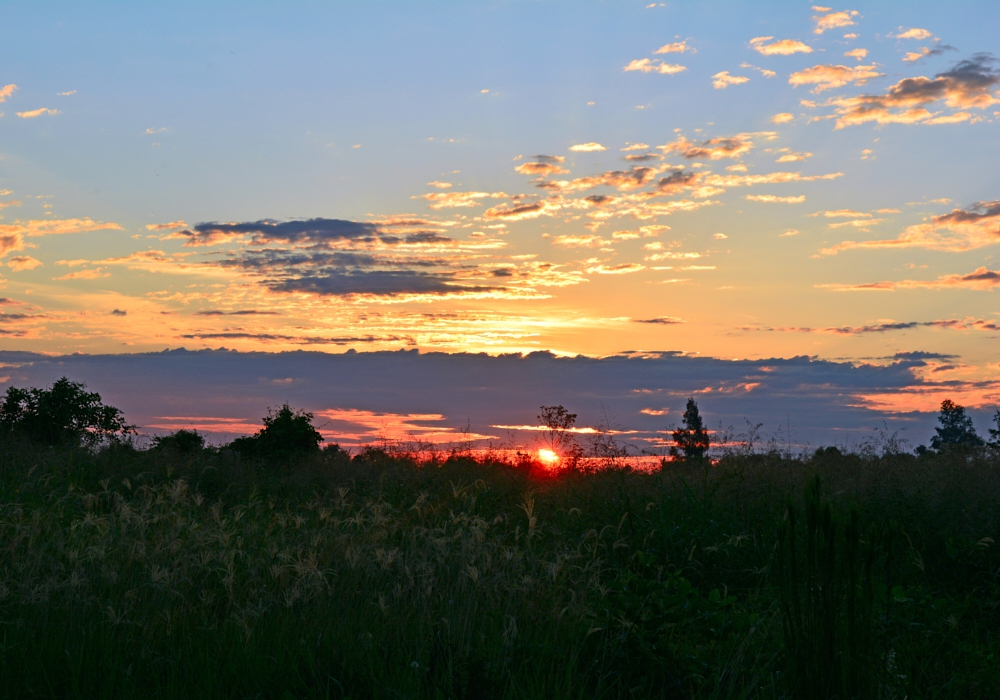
{"type": "Point", "coordinates": [692, 440]}
{"type": "Point", "coordinates": [956, 429]}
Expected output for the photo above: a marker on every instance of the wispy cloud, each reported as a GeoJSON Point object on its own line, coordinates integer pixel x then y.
{"type": "Point", "coordinates": [92, 274]}
{"type": "Point", "coordinates": [49, 227]}
{"type": "Point", "coordinates": [32, 113]}
{"type": "Point", "coordinates": [590, 147]}
{"type": "Point", "coordinates": [959, 230]}
{"type": "Point", "coordinates": [773, 199]}
{"type": "Point", "coordinates": [453, 200]}
{"type": "Point", "coordinates": [981, 279]}
{"type": "Point", "coordinates": [966, 324]}
{"type": "Point", "coordinates": [6, 91]}
{"type": "Point", "coordinates": [166, 227]}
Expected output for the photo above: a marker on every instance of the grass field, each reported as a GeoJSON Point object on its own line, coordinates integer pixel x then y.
{"type": "Point", "coordinates": [132, 574]}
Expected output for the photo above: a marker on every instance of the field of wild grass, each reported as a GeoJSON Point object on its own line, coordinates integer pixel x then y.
{"type": "Point", "coordinates": [132, 574]}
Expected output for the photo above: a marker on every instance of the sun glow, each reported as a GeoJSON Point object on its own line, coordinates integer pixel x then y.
{"type": "Point", "coordinates": [548, 457]}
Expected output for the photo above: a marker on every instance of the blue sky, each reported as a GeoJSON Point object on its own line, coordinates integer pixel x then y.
{"type": "Point", "coordinates": [732, 180]}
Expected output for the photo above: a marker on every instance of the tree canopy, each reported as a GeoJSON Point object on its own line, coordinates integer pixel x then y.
{"type": "Point", "coordinates": [65, 414]}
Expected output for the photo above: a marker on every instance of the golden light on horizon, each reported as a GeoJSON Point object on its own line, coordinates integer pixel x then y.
{"type": "Point", "coordinates": [548, 457]}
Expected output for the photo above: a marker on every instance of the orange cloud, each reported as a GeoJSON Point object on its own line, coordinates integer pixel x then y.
{"type": "Point", "coordinates": [85, 275]}
{"type": "Point", "coordinates": [970, 84]}
{"type": "Point", "coordinates": [859, 54]}
{"type": "Point", "coordinates": [833, 20]}
{"type": "Point", "coordinates": [793, 157]}
{"type": "Point", "coordinates": [522, 212]}
{"type": "Point", "coordinates": [957, 231]}
{"type": "Point", "coordinates": [914, 33]}
{"type": "Point", "coordinates": [592, 241]}
{"type": "Point", "coordinates": [647, 65]}
{"type": "Point", "coordinates": [23, 262]}
{"type": "Point", "coordinates": [676, 47]}
{"type": "Point", "coordinates": [622, 180]}
{"type": "Point", "coordinates": [452, 200]}
{"type": "Point", "coordinates": [540, 169]}
{"type": "Point", "coordinates": [782, 118]}
{"type": "Point", "coordinates": [782, 47]}
{"type": "Point", "coordinates": [166, 227]}
{"type": "Point", "coordinates": [773, 199]}
{"type": "Point", "coordinates": [6, 91]}
{"type": "Point", "coordinates": [912, 56]}
{"type": "Point", "coordinates": [10, 242]}
{"type": "Point", "coordinates": [827, 77]}
{"type": "Point", "coordinates": [591, 147]}
{"type": "Point", "coordinates": [47, 227]}
{"type": "Point", "coordinates": [722, 80]}
{"type": "Point", "coordinates": [841, 214]}
{"type": "Point", "coordinates": [716, 148]}
{"type": "Point", "coordinates": [31, 114]}
{"type": "Point", "coordinates": [622, 269]}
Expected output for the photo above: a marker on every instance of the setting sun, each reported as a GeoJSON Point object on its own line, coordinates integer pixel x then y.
{"type": "Point", "coordinates": [548, 457]}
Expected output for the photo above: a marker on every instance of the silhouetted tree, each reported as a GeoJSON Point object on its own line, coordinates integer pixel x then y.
{"type": "Point", "coordinates": [692, 440]}
{"type": "Point", "coordinates": [995, 432]}
{"type": "Point", "coordinates": [286, 434]}
{"type": "Point", "coordinates": [64, 415]}
{"type": "Point", "coordinates": [181, 442]}
{"type": "Point", "coordinates": [956, 429]}
{"type": "Point", "coordinates": [558, 421]}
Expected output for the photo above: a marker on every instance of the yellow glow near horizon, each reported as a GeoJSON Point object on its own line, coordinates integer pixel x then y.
{"type": "Point", "coordinates": [548, 457]}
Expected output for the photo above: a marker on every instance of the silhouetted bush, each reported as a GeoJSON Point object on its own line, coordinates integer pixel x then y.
{"type": "Point", "coordinates": [286, 435]}
{"type": "Point", "coordinates": [183, 442]}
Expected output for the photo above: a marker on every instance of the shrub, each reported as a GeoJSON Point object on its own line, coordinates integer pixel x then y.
{"type": "Point", "coordinates": [182, 442]}
{"type": "Point", "coordinates": [62, 415]}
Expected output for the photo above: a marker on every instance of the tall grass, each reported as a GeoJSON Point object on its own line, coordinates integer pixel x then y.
{"type": "Point", "coordinates": [129, 574]}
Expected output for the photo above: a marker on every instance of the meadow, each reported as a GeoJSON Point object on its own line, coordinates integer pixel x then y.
{"type": "Point", "coordinates": [162, 574]}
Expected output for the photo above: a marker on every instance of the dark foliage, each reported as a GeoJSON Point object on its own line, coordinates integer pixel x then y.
{"type": "Point", "coordinates": [183, 442]}
{"type": "Point", "coordinates": [286, 435]}
{"type": "Point", "coordinates": [692, 440]}
{"type": "Point", "coordinates": [956, 429]}
{"type": "Point", "coordinates": [558, 437]}
{"type": "Point", "coordinates": [64, 415]}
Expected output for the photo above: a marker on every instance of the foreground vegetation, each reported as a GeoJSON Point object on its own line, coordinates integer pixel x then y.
{"type": "Point", "coordinates": [203, 574]}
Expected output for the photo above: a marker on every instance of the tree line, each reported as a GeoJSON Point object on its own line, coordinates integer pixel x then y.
{"type": "Point", "coordinates": [67, 415]}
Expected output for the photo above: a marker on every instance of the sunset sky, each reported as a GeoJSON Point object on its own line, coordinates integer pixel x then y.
{"type": "Point", "coordinates": [726, 180]}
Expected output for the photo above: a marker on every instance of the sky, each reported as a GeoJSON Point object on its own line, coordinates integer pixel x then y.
{"type": "Point", "coordinates": [649, 181]}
